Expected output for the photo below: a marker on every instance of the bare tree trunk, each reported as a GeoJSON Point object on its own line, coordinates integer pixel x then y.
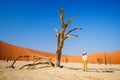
{"type": "Point", "coordinates": [58, 53]}
{"type": "Point", "coordinates": [58, 58]}
{"type": "Point", "coordinates": [62, 36]}
{"type": "Point", "coordinates": [60, 46]}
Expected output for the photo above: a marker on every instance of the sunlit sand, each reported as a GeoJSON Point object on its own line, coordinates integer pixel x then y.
{"type": "Point", "coordinates": [69, 71]}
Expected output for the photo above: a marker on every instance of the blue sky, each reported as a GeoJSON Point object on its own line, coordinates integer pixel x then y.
{"type": "Point", "coordinates": [28, 23]}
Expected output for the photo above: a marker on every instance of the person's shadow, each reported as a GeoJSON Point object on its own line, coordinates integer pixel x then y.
{"type": "Point", "coordinates": [107, 70]}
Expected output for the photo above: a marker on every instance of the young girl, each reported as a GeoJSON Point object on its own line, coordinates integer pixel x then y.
{"type": "Point", "coordinates": [84, 57]}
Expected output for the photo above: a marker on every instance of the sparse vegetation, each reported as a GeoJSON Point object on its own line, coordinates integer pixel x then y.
{"type": "Point", "coordinates": [66, 60]}
{"type": "Point", "coordinates": [106, 60]}
{"type": "Point", "coordinates": [100, 60]}
{"type": "Point", "coordinates": [9, 58]}
{"type": "Point", "coordinates": [110, 61]}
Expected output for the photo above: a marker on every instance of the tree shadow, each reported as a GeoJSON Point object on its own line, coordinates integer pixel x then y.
{"type": "Point", "coordinates": [33, 67]}
{"type": "Point", "coordinates": [105, 70]}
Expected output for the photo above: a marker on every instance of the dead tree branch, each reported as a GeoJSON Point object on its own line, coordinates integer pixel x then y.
{"type": "Point", "coordinates": [36, 58]}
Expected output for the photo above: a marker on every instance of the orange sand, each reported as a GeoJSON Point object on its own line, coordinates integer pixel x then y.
{"type": "Point", "coordinates": [8, 51]}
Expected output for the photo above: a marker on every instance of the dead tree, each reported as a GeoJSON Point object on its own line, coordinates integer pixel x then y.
{"type": "Point", "coordinates": [99, 60]}
{"type": "Point", "coordinates": [66, 60]}
{"type": "Point", "coordinates": [9, 58]}
{"type": "Point", "coordinates": [12, 65]}
{"type": "Point", "coordinates": [105, 59]}
{"type": "Point", "coordinates": [36, 58]}
{"type": "Point", "coordinates": [46, 61]}
{"type": "Point", "coordinates": [109, 59]}
{"type": "Point", "coordinates": [62, 36]}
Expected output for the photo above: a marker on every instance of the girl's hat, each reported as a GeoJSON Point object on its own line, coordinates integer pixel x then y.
{"type": "Point", "coordinates": [84, 53]}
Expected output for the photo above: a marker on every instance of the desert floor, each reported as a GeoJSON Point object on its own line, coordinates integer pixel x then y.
{"type": "Point", "coordinates": [70, 71]}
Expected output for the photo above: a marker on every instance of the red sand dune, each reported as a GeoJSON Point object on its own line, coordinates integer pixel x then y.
{"type": "Point", "coordinates": [11, 51]}
{"type": "Point", "coordinates": [112, 57]}
{"type": "Point", "coordinates": [8, 51]}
